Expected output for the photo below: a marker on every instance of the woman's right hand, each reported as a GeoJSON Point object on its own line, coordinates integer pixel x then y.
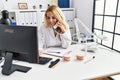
{"type": "Point", "coordinates": [60, 27]}
{"type": "Point", "coordinates": [40, 52]}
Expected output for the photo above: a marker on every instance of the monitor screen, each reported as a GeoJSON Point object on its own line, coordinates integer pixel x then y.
{"type": "Point", "coordinates": [20, 41]}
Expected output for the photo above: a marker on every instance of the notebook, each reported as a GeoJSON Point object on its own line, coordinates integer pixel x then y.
{"type": "Point", "coordinates": [57, 51]}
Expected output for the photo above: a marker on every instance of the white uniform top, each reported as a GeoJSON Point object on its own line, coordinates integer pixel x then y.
{"type": "Point", "coordinates": [47, 38]}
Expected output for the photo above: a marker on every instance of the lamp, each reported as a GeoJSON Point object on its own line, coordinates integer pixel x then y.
{"type": "Point", "coordinates": [5, 18]}
{"type": "Point", "coordinates": [83, 39]}
{"type": "Point", "coordinates": [94, 35]}
{"type": "Point", "coordinates": [6, 21]}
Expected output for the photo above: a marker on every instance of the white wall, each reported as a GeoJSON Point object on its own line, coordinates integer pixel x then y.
{"type": "Point", "coordinates": [1, 5]}
{"type": "Point", "coordinates": [84, 11]}
{"type": "Point", "coordinates": [13, 4]}
{"type": "Point", "coordinates": [84, 8]}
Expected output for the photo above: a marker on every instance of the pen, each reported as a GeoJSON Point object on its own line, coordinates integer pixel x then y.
{"type": "Point", "coordinates": [54, 52]}
{"type": "Point", "coordinates": [89, 60]}
{"type": "Point", "coordinates": [53, 55]}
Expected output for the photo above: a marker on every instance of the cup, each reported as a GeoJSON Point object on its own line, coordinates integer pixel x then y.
{"type": "Point", "coordinates": [79, 57]}
{"type": "Point", "coordinates": [66, 58]}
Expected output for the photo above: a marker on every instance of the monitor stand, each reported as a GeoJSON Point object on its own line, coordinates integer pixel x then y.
{"type": "Point", "coordinates": [9, 68]}
{"type": "Point", "coordinates": [0, 55]}
{"type": "Point", "coordinates": [0, 58]}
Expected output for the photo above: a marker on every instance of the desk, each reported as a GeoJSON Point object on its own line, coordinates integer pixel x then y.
{"type": "Point", "coordinates": [106, 62]}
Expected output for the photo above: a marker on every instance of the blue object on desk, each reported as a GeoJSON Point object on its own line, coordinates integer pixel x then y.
{"type": "Point", "coordinates": [14, 24]}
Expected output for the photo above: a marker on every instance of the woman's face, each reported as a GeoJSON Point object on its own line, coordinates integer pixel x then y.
{"type": "Point", "coordinates": [51, 18]}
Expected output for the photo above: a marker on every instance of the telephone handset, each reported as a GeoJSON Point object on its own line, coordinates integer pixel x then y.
{"type": "Point", "coordinates": [55, 27]}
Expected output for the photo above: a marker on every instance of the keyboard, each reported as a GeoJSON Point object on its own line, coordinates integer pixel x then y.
{"type": "Point", "coordinates": [44, 60]}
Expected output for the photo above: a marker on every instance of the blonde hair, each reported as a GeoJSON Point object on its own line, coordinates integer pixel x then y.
{"type": "Point", "coordinates": [58, 15]}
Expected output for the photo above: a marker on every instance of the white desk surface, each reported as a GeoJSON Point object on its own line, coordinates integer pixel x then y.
{"type": "Point", "coordinates": [106, 62]}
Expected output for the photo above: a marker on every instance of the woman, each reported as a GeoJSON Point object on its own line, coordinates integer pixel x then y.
{"type": "Point", "coordinates": [55, 32]}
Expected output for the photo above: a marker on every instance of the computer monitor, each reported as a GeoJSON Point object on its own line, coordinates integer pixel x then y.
{"type": "Point", "coordinates": [20, 43]}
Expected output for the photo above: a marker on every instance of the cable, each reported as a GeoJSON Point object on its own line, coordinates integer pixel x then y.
{"type": "Point", "coordinates": [2, 60]}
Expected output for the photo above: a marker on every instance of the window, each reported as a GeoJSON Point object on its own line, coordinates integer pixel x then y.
{"type": "Point", "coordinates": [107, 22]}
